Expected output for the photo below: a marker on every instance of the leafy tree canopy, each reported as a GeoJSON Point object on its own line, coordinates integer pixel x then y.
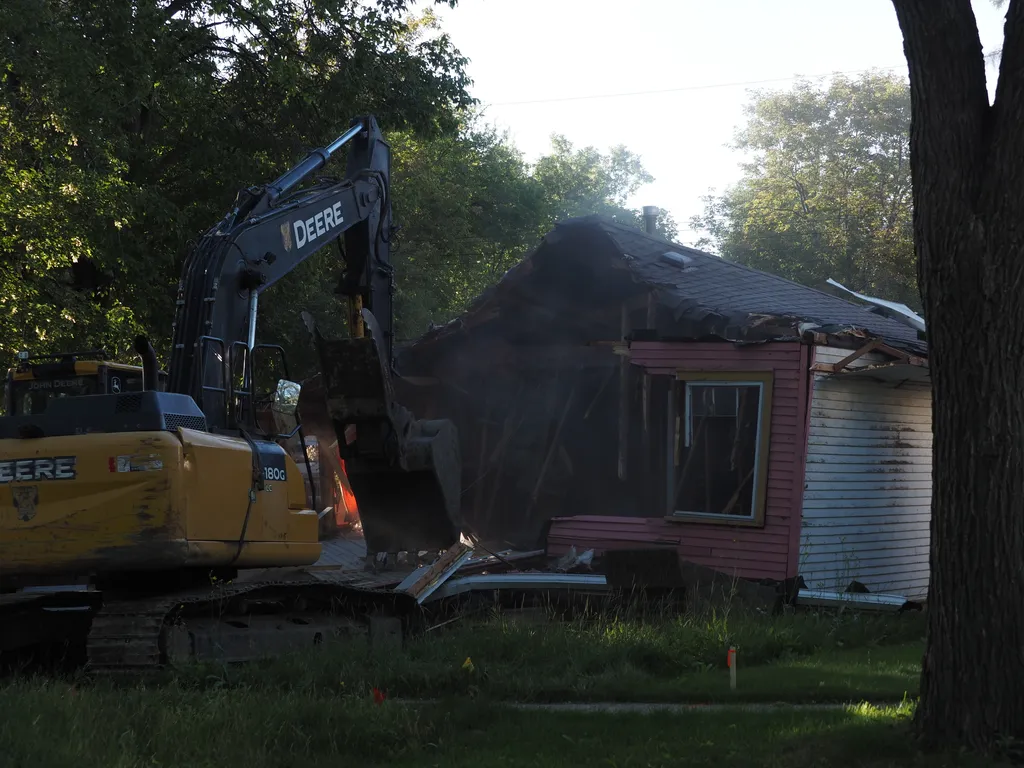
{"type": "Point", "coordinates": [826, 190]}
{"type": "Point", "coordinates": [578, 182]}
{"type": "Point", "coordinates": [127, 129]}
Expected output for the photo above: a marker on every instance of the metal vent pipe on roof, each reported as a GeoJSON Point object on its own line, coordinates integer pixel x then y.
{"type": "Point", "coordinates": [650, 219]}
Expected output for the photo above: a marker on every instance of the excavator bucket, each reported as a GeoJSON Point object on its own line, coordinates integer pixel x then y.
{"type": "Point", "coordinates": [406, 473]}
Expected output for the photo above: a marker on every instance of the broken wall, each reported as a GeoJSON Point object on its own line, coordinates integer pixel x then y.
{"type": "Point", "coordinates": [538, 431]}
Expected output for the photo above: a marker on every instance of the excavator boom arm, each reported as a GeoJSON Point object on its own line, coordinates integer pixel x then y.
{"type": "Point", "coordinates": [272, 230]}
{"type": "Point", "coordinates": [405, 472]}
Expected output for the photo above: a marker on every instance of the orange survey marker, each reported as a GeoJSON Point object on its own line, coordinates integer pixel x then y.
{"type": "Point", "coordinates": [730, 661]}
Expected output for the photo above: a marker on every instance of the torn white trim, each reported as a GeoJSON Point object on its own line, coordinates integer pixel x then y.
{"type": "Point", "coordinates": [902, 312]}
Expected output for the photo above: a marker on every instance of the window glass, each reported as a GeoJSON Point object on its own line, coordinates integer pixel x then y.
{"type": "Point", "coordinates": [716, 456]}
{"type": "Point", "coordinates": [31, 397]}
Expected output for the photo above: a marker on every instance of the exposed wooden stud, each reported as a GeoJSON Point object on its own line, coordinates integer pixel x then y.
{"type": "Point", "coordinates": [652, 310]}
{"type": "Point", "coordinates": [438, 568]}
{"type": "Point", "coordinates": [871, 346]}
{"type": "Point", "coordinates": [478, 497]}
{"type": "Point", "coordinates": [898, 353]}
{"type": "Point", "coordinates": [508, 433]}
{"type": "Point", "coordinates": [551, 448]}
{"type": "Point", "coordinates": [671, 453]}
{"type": "Point", "coordinates": [624, 398]}
{"type": "Point", "coordinates": [600, 391]}
{"type": "Point", "coordinates": [734, 499]}
{"type": "Point", "coordinates": [874, 346]}
{"type": "Point", "coordinates": [651, 323]}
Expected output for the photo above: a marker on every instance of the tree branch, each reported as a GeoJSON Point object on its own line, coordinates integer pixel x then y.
{"type": "Point", "coordinates": [260, 24]}
{"type": "Point", "coordinates": [1007, 156]}
{"type": "Point", "coordinates": [949, 99]}
{"type": "Point", "coordinates": [175, 7]}
{"type": "Point", "coordinates": [237, 53]}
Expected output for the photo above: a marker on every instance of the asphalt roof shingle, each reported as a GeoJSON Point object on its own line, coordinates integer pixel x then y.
{"type": "Point", "coordinates": [715, 284]}
{"type": "Point", "coordinates": [691, 282]}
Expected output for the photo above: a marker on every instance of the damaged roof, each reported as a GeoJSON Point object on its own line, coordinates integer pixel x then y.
{"type": "Point", "coordinates": [701, 280]}
{"type": "Point", "coordinates": [694, 285]}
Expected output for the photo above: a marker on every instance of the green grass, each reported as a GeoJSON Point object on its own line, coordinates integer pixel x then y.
{"type": "Point", "coordinates": [859, 736]}
{"type": "Point", "coordinates": [44, 725]}
{"type": "Point", "coordinates": [799, 657]}
{"type": "Point", "coordinates": [316, 710]}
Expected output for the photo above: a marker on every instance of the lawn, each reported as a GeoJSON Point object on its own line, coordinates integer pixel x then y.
{"type": "Point", "coordinates": [55, 725]}
{"type": "Point", "coordinates": [317, 710]}
{"type": "Point", "coordinates": [799, 657]}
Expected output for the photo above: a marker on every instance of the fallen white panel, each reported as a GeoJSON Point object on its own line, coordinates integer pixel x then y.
{"type": "Point", "coordinates": [821, 598]}
{"type": "Point", "coordinates": [423, 582]}
{"type": "Point", "coordinates": [895, 310]}
{"type": "Point", "coordinates": [486, 581]}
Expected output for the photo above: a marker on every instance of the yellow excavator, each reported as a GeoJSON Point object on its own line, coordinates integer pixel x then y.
{"type": "Point", "coordinates": [131, 515]}
{"type": "Point", "coordinates": [36, 379]}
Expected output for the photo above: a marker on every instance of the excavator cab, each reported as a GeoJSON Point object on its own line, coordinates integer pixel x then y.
{"type": "Point", "coordinates": [37, 379]}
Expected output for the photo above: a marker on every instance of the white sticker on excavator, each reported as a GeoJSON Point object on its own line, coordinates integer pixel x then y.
{"type": "Point", "coordinates": [150, 463]}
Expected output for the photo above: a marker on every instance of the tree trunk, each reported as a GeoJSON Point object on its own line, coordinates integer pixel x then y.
{"type": "Point", "coordinates": [967, 162]}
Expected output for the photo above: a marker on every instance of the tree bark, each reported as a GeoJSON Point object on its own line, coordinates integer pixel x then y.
{"type": "Point", "coordinates": [967, 164]}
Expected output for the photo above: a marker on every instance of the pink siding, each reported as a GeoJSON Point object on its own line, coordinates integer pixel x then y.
{"type": "Point", "coordinates": [766, 552]}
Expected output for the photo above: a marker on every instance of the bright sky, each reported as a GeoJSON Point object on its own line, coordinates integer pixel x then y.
{"type": "Point", "coordinates": [532, 60]}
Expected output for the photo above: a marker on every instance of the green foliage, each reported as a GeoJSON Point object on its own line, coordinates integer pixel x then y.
{"type": "Point", "coordinates": [467, 209]}
{"type": "Point", "coordinates": [127, 129]}
{"type": "Point", "coordinates": [826, 192]}
{"type": "Point", "coordinates": [579, 182]}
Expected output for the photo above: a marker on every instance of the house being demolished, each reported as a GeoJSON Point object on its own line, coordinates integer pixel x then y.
{"type": "Point", "coordinates": [618, 391]}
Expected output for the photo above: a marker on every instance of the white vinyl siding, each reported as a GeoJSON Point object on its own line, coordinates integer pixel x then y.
{"type": "Point", "coordinates": [867, 492]}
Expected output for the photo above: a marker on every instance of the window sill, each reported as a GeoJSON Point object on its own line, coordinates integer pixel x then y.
{"type": "Point", "coordinates": [724, 520]}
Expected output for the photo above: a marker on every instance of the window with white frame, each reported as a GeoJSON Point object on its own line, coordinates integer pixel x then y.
{"type": "Point", "coordinates": [720, 453]}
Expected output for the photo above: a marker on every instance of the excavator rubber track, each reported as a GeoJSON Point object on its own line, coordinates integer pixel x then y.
{"type": "Point", "coordinates": [131, 635]}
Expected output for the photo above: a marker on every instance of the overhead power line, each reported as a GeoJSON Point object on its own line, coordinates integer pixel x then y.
{"type": "Point", "coordinates": [680, 89]}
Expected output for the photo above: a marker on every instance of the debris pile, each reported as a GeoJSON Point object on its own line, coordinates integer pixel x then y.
{"type": "Point", "coordinates": [471, 568]}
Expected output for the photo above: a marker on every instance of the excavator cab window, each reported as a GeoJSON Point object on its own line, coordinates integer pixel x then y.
{"type": "Point", "coordinates": [30, 396]}
{"type": "Point", "coordinates": [31, 385]}
{"type": "Point", "coordinates": [260, 396]}
{"type": "Point", "coordinates": [268, 367]}
{"type": "Point", "coordinates": [274, 395]}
